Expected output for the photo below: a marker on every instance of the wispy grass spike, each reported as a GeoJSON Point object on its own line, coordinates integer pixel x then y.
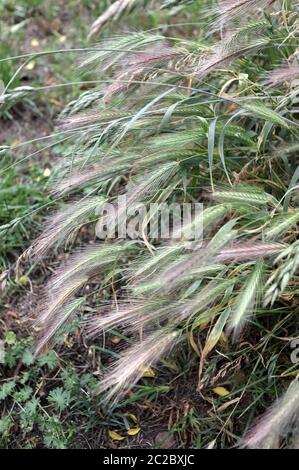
{"type": "Point", "coordinates": [273, 425]}
{"type": "Point", "coordinates": [64, 223]}
{"type": "Point", "coordinates": [281, 75]}
{"type": "Point", "coordinates": [52, 327]}
{"type": "Point", "coordinates": [245, 301]}
{"type": "Point", "coordinates": [232, 10]}
{"type": "Point", "coordinates": [131, 366]}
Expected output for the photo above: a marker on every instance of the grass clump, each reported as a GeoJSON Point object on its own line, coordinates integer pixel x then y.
{"type": "Point", "coordinates": [205, 118]}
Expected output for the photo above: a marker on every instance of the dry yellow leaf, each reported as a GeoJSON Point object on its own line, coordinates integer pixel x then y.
{"type": "Point", "coordinates": [47, 172]}
{"type": "Point", "coordinates": [23, 280]}
{"type": "Point", "coordinates": [148, 373]}
{"type": "Point", "coordinates": [221, 391]}
{"type": "Point", "coordinates": [134, 431]}
{"type": "Point", "coordinates": [34, 42]}
{"type": "Point", "coordinates": [31, 65]}
{"type": "Point", "coordinates": [115, 436]}
{"type": "Point", "coordinates": [133, 417]}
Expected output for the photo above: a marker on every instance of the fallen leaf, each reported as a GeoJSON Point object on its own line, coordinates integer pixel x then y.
{"type": "Point", "coordinates": [23, 280]}
{"type": "Point", "coordinates": [31, 65]}
{"type": "Point", "coordinates": [133, 417]}
{"type": "Point", "coordinates": [47, 172]}
{"type": "Point", "coordinates": [148, 373]}
{"type": "Point", "coordinates": [115, 436]}
{"type": "Point", "coordinates": [221, 391]}
{"type": "Point", "coordinates": [134, 431]}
